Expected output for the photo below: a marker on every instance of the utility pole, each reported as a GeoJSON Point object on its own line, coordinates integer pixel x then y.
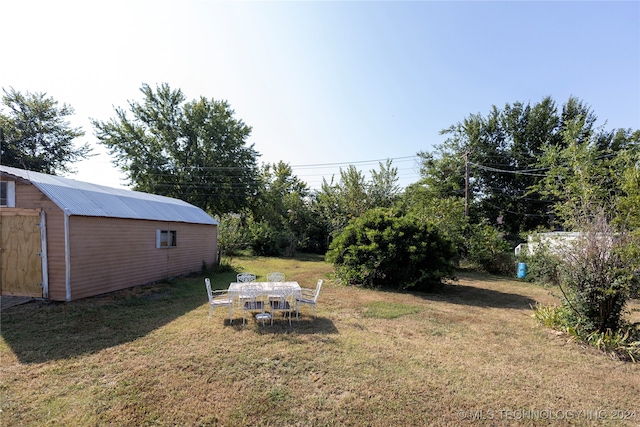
{"type": "Point", "coordinates": [466, 183]}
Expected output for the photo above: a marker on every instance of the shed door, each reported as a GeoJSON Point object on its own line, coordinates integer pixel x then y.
{"type": "Point", "coordinates": [20, 251]}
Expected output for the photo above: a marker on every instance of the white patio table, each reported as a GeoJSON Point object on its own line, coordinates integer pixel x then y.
{"type": "Point", "coordinates": [235, 293]}
{"type": "Point", "coordinates": [267, 287]}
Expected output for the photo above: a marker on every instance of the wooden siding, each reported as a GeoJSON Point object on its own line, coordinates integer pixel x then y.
{"type": "Point", "coordinates": [29, 197]}
{"type": "Point", "coordinates": [109, 254]}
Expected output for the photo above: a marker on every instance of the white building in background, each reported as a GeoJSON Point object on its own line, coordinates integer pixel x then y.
{"type": "Point", "coordinates": [554, 241]}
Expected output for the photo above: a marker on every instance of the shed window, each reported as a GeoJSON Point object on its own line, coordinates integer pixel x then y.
{"type": "Point", "coordinates": [8, 194]}
{"type": "Point", "coordinates": [166, 239]}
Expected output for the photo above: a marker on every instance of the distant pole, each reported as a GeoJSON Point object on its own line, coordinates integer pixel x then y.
{"type": "Point", "coordinates": [466, 183]}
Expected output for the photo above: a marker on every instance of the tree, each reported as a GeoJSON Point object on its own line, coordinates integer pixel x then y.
{"type": "Point", "coordinates": [629, 210]}
{"type": "Point", "coordinates": [343, 200]}
{"type": "Point", "coordinates": [447, 213]}
{"type": "Point", "coordinates": [502, 150]}
{"type": "Point", "coordinates": [598, 274]}
{"type": "Point", "coordinates": [629, 198]}
{"type": "Point", "coordinates": [480, 242]}
{"type": "Point", "coordinates": [443, 171]}
{"type": "Point", "coordinates": [232, 236]}
{"type": "Point", "coordinates": [352, 195]}
{"type": "Point", "coordinates": [386, 248]}
{"type": "Point", "coordinates": [195, 151]}
{"type": "Point", "coordinates": [35, 134]}
{"type": "Point", "coordinates": [579, 177]}
{"type": "Point", "coordinates": [280, 192]}
{"type": "Point", "coordinates": [282, 215]}
{"type": "Point", "coordinates": [383, 190]}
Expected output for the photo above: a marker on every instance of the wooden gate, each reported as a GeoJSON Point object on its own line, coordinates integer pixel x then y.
{"type": "Point", "coordinates": [20, 252]}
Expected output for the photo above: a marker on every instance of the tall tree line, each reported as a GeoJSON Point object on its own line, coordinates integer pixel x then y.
{"type": "Point", "coordinates": [505, 151]}
{"type": "Point", "coordinates": [525, 161]}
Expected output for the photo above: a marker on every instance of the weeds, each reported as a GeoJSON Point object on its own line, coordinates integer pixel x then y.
{"type": "Point", "coordinates": [622, 344]}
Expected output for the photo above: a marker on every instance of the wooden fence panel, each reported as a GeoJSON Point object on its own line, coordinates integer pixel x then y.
{"type": "Point", "coordinates": [20, 251]}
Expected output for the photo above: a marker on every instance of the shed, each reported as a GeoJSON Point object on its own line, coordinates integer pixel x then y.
{"type": "Point", "coordinates": [63, 239]}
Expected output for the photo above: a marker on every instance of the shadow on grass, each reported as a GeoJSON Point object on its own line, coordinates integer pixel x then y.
{"type": "Point", "coordinates": [456, 293]}
{"type": "Point", "coordinates": [304, 325]}
{"type": "Point", "coordinates": [478, 297]}
{"type": "Point", "coordinates": [40, 331]}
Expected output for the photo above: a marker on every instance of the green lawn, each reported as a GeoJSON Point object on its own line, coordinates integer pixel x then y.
{"type": "Point", "coordinates": [469, 354]}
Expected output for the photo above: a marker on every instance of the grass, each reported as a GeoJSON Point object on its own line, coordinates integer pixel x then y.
{"type": "Point", "coordinates": [468, 354]}
{"type": "Point", "coordinates": [388, 309]}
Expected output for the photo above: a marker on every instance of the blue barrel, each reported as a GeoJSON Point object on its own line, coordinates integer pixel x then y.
{"type": "Point", "coordinates": [522, 270]}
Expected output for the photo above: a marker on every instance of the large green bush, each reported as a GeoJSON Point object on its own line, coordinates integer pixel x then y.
{"type": "Point", "coordinates": [489, 251]}
{"type": "Point", "coordinates": [266, 240]}
{"type": "Point", "coordinates": [386, 248]}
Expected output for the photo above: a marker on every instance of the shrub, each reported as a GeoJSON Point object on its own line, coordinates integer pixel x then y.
{"type": "Point", "coordinates": [232, 236]}
{"type": "Point", "coordinates": [266, 240]}
{"type": "Point", "coordinates": [595, 273]}
{"type": "Point", "coordinates": [489, 251]}
{"type": "Point", "coordinates": [623, 343]}
{"type": "Point", "coordinates": [385, 248]}
{"type": "Point", "coordinates": [504, 263]}
{"type": "Point", "coordinates": [551, 316]}
{"type": "Point", "coordinates": [542, 266]}
{"type": "Point", "coordinates": [596, 278]}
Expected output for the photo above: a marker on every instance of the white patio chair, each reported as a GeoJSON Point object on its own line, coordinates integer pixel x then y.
{"type": "Point", "coordinates": [219, 298]}
{"type": "Point", "coordinates": [275, 277]}
{"type": "Point", "coordinates": [282, 299]}
{"type": "Point", "coordinates": [245, 277]}
{"type": "Point", "coordinates": [251, 297]}
{"type": "Point", "coordinates": [309, 297]}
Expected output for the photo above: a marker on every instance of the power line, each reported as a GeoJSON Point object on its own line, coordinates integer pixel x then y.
{"type": "Point", "coordinates": [528, 172]}
{"type": "Point", "coordinates": [502, 209]}
{"type": "Point", "coordinates": [312, 180]}
{"type": "Point", "coordinates": [515, 172]}
{"type": "Point", "coordinates": [318, 165]}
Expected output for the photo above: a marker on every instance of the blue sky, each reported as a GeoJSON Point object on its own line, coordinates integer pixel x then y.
{"type": "Point", "coordinates": [327, 83]}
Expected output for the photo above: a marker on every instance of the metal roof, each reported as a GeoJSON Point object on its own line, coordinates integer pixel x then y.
{"type": "Point", "coordinates": [86, 199]}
